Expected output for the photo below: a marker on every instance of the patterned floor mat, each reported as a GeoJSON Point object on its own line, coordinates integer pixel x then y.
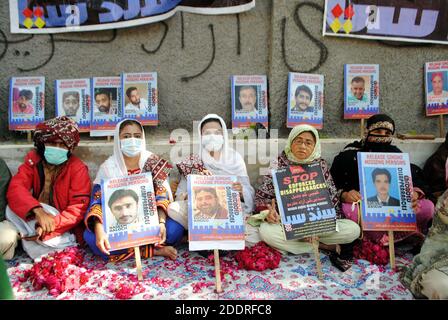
{"type": "Point", "coordinates": [192, 277]}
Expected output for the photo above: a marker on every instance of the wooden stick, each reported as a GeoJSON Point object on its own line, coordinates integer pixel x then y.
{"type": "Point", "coordinates": [392, 250]}
{"type": "Point", "coordinates": [362, 128]}
{"type": "Point", "coordinates": [138, 262]}
{"type": "Point", "coordinates": [317, 257]}
{"type": "Point", "coordinates": [109, 138]}
{"type": "Point", "coordinates": [217, 272]}
{"type": "Point", "coordinates": [28, 136]}
{"type": "Point", "coordinates": [441, 126]}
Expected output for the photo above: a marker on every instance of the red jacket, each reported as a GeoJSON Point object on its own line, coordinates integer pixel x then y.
{"type": "Point", "coordinates": [71, 192]}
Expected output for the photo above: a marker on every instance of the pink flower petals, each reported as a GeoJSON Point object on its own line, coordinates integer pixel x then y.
{"type": "Point", "coordinates": [198, 286]}
{"type": "Point", "coordinates": [58, 272]}
{"type": "Point", "coordinates": [372, 252]}
{"type": "Point", "coordinates": [259, 257]}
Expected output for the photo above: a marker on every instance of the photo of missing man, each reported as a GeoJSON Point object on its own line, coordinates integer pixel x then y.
{"type": "Point", "coordinates": [124, 210]}
{"type": "Point", "coordinates": [382, 188]}
{"type": "Point", "coordinates": [359, 91]}
{"type": "Point", "coordinates": [210, 204]}
{"type": "Point", "coordinates": [23, 102]}
{"type": "Point", "coordinates": [136, 101]}
{"type": "Point", "coordinates": [437, 84]}
{"type": "Point", "coordinates": [105, 102]}
{"type": "Point", "coordinates": [246, 99]}
{"type": "Point", "coordinates": [303, 100]}
{"type": "Point", "coordinates": [71, 104]}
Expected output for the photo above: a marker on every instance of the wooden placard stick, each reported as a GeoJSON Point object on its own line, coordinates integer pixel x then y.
{"type": "Point", "coordinates": [441, 127]}
{"type": "Point", "coordinates": [28, 137]}
{"type": "Point", "coordinates": [392, 250]}
{"type": "Point", "coordinates": [317, 257]}
{"type": "Point", "coordinates": [109, 138]}
{"type": "Point", "coordinates": [362, 128]}
{"type": "Point", "coordinates": [138, 262]}
{"type": "Point", "coordinates": [217, 272]}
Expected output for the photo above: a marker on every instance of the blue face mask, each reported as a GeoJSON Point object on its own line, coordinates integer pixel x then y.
{"type": "Point", "coordinates": [131, 147]}
{"type": "Point", "coordinates": [55, 155]}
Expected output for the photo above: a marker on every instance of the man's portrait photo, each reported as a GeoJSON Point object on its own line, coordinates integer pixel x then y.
{"type": "Point", "coordinates": [207, 205]}
{"type": "Point", "coordinates": [359, 88]}
{"type": "Point", "coordinates": [23, 102]}
{"type": "Point", "coordinates": [70, 103]}
{"type": "Point", "coordinates": [380, 186]}
{"type": "Point", "coordinates": [246, 99]}
{"type": "Point", "coordinates": [135, 104]}
{"type": "Point", "coordinates": [105, 101]}
{"type": "Point", "coordinates": [124, 206]}
{"type": "Point", "coordinates": [437, 87]}
{"type": "Point", "coordinates": [303, 96]}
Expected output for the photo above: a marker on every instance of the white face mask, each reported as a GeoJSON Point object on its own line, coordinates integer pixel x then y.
{"type": "Point", "coordinates": [212, 142]}
{"type": "Point", "coordinates": [131, 147]}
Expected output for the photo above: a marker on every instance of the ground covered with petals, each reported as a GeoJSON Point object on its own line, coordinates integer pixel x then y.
{"type": "Point", "coordinates": [76, 274]}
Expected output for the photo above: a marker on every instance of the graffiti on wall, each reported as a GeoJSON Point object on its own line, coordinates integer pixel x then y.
{"type": "Point", "coordinates": [51, 41]}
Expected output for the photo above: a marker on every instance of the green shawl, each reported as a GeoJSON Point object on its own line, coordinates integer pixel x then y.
{"type": "Point", "coordinates": [434, 252]}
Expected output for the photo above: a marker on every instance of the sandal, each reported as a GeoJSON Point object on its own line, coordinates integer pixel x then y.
{"type": "Point", "coordinates": [341, 264]}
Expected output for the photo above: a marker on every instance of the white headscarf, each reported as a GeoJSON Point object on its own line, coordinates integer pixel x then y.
{"type": "Point", "coordinates": [297, 131]}
{"type": "Point", "coordinates": [229, 163]}
{"type": "Point", "coordinates": [114, 166]}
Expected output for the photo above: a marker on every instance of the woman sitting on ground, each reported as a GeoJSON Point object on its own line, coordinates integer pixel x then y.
{"type": "Point", "coordinates": [131, 157]}
{"type": "Point", "coordinates": [303, 147]}
{"type": "Point", "coordinates": [427, 277]}
{"type": "Point", "coordinates": [215, 157]}
{"type": "Point", "coordinates": [344, 170]}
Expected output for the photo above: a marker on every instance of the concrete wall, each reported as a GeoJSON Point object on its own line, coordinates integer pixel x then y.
{"type": "Point", "coordinates": [63, 56]}
{"type": "Point", "coordinates": [401, 71]}
{"type": "Point", "coordinates": [180, 101]}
